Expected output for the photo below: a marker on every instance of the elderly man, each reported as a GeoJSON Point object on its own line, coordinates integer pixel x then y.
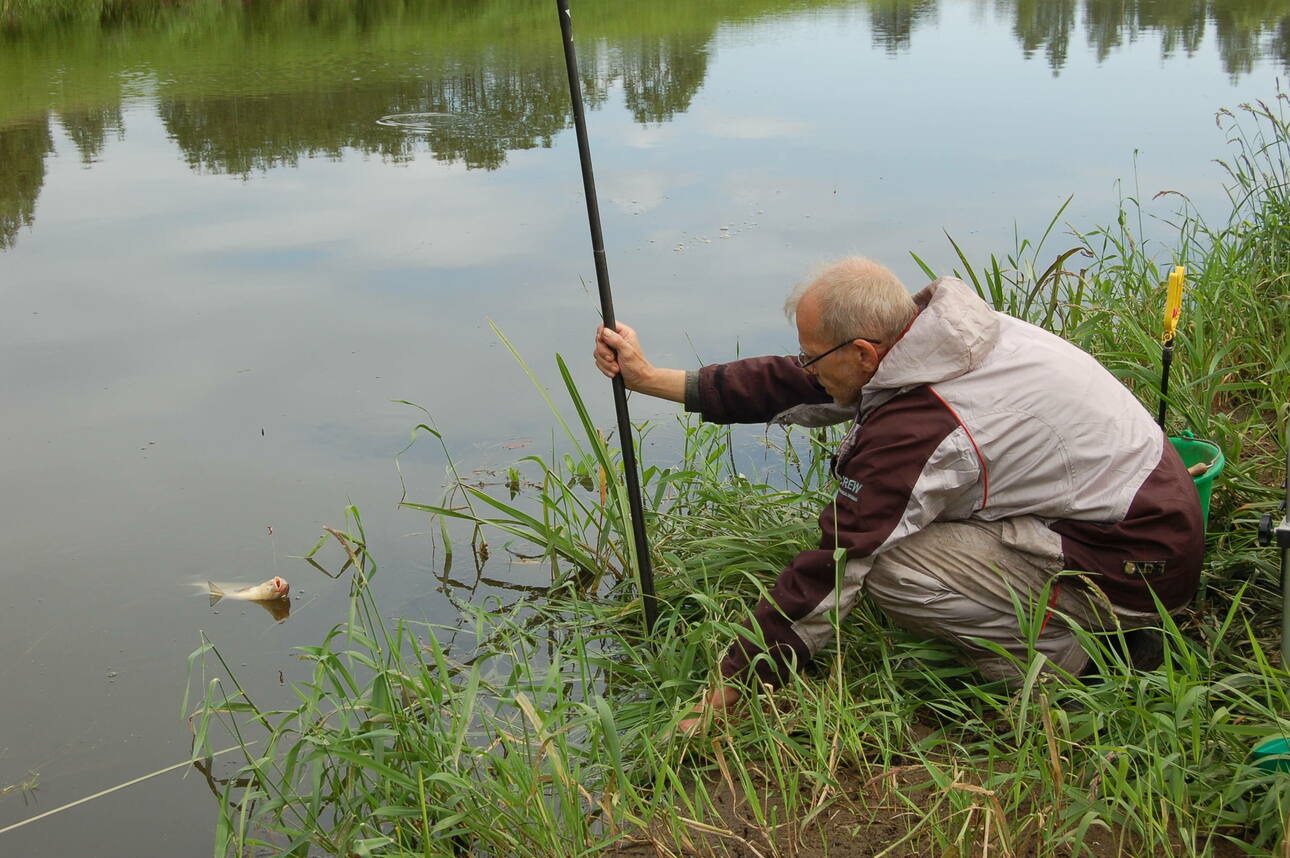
{"type": "Point", "coordinates": [986, 456]}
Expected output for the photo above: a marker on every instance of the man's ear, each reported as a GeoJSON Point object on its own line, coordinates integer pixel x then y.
{"type": "Point", "coordinates": [869, 355]}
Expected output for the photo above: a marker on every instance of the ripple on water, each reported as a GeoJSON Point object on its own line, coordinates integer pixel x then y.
{"type": "Point", "coordinates": [423, 121]}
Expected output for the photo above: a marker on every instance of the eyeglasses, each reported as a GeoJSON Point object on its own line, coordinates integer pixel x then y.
{"type": "Point", "coordinates": [804, 360]}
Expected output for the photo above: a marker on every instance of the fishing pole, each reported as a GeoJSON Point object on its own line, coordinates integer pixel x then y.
{"type": "Point", "coordinates": [1273, 753]}
{"type": "Point", "coordinates": [630, 472]}
{"type": "Point", "coordinates": [1173, 312]}
{"type": "Point", "coordinates": [1281, 536]}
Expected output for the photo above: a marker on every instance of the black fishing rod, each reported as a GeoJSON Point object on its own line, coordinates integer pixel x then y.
{"type": "Point", "coordinates": [630, 470]}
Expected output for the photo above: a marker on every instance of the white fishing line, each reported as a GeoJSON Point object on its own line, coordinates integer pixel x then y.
{"type": "Point", "coordinates": [109, 790]}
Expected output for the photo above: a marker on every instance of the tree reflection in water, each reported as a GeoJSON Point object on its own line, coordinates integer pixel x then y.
{"type": "Point", "coordinates": [23, 147]}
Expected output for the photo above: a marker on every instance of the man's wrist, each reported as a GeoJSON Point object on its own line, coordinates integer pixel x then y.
{"type": "Point", "coordinates": [663, 383]}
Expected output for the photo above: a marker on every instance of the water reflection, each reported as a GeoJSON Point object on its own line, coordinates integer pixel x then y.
{"type": "Point", "coordinates": [1244, 30]}
{"type": "Point", "coordinates": [892, 21]}
{"type": "Point", "coordinates": [88, 128]}
{"type": "Point", "coordinates": [279, 609]}
{"type": "Point", "coordinates": [660, 76]}
{"type": "Point", "coordinates": [1046, 25]}
{"type": "Point", "coordinates": [23, 147]}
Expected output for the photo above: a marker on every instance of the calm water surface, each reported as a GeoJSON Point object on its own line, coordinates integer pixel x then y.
{"type": "Point", "coordinates": [219, 270]}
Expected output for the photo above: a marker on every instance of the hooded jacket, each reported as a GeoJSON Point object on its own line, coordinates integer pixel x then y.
{"type": "Point", "coordinates": [971, 414]}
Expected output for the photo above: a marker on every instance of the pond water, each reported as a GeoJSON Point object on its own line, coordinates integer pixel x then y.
{"type": "Point", "coordinates": [234, 235]}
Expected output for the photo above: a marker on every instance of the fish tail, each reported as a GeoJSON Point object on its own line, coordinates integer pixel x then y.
{"type": "Point", "coordinates": [216, 593]}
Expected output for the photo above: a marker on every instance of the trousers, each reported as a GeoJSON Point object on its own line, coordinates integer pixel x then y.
{"type": "Point", "coordinates": [971, 581]}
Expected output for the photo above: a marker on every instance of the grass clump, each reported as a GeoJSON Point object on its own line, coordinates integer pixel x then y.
{"type": "Point", "coordinates": [551, 736]}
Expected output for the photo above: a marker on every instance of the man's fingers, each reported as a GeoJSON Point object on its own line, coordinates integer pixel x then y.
{"type": "Point", "coordinates": [604, 354]}
{"type": "Point", "coordinates": [616, 349]}
{"type": "Point", "coordinates": [688, 727]}
{"type": "Point", "coordinates": [605, 361]}
{"type": "Point", "coordinates": [612, 340]}
{"type": "Point", "coordinates": [716, 706]}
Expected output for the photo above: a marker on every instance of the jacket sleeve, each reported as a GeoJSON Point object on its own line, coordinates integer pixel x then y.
{"type": "Point", "coordinates": [752, 390]}
{"type": "Point", "coordinates": [912, 460]}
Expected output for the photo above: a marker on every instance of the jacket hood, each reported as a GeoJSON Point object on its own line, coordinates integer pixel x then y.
{"type": "Point", "coordinates": [953, 332]}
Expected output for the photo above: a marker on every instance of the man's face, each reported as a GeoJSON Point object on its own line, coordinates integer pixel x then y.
{"type": "Point", "coordinates": [842, 373]}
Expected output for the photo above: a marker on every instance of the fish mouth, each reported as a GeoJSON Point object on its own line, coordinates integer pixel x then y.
{"type": "Point", "coordinates": [281, 587]}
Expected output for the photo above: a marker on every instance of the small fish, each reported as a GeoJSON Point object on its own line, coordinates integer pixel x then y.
{"type": "Point", "coordinates": [274, 588]}
{"type": "Point", "coordinates": [1199, 469]}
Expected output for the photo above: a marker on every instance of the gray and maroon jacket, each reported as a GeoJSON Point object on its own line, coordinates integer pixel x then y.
{"type": "Point", "coordinates": [971, 414]}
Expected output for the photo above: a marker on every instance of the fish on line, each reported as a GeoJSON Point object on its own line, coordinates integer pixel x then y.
{"type": "Point", "coordinates": [275, 588]}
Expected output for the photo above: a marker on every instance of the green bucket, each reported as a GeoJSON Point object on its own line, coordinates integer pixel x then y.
{"type": "Point", "coordinates": [1194, 451]}
{"type": "Point", "coordinates": [1272, 755]}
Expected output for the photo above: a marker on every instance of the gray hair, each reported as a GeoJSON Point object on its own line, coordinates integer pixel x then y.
{"type": "Point", "coordinates": [858, 298]}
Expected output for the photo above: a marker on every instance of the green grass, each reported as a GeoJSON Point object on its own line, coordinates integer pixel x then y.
{"type": "Point", "coordinates": [549, 738]}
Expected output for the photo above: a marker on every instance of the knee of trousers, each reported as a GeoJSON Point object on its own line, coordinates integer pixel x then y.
{"type": "Point", "coordinates": [921, 600]}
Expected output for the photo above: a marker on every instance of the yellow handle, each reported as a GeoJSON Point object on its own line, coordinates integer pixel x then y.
{"type": "Point", "coordinates": [1173, 303]}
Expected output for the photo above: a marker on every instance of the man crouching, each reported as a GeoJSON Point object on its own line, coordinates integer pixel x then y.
{"type": "Point", "coordinates": [986, 456]}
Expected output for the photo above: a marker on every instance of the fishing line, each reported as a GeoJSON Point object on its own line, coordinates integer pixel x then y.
{"type": "Point", "coordinates": [111, 790]}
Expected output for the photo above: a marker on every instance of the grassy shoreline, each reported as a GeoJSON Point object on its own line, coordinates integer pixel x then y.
{"type": "Point", "coordinates": [549, 739]}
